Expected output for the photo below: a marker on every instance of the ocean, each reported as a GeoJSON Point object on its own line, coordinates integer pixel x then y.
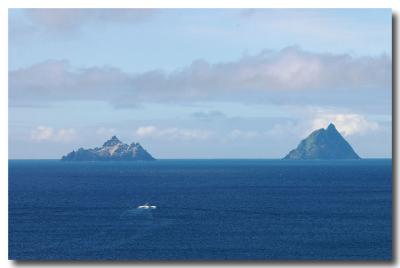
{"type": "Point", "coordinates": [206, 210]}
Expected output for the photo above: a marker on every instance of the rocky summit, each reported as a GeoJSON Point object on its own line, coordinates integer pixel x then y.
{"type": "Point", "coordinates": [323, 144]}
{"type": "Point", "coordinates": [112, 150]}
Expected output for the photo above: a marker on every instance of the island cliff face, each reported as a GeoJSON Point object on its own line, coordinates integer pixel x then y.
{"type": "Point", "coordinates": [112, 150]}
{"type": "Point", "coordinates": [323, 144]}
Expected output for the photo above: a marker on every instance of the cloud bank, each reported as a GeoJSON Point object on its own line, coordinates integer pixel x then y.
{"type": "Point", "coordinates": [288, 70]}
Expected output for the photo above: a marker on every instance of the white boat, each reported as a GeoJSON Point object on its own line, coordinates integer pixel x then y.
{"type": "Point", "coordinates": [146, 206]}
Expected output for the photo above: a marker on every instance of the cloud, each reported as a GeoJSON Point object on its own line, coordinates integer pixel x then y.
{"type": "Point", "coordinates": [347, 124]}
{"type": "Point", "coordinates": [105, 132]}
{"type": "Point", "coordinates": [172, 133]}
{"type": "Point", "coordinates": [147, 131]}
{"type": "Point", "coordinates": [45, 133]}
{"type": "Point", "coordinates": [251, 78]}
{"type": "Point", "coordinates": [313, 118]}
{"type": "Point", "coordinates": [61, 20]}
{"type": "Point", "coordinates": [210, 115]}
{"type": "Point", "coordinates": [42, 133]}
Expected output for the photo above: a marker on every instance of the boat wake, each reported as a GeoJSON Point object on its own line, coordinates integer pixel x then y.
{"type": "Point", "coordinates": [147, 206]}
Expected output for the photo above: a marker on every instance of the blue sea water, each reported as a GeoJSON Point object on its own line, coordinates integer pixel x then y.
{"type": "Point", "coordinates": [206, 210]}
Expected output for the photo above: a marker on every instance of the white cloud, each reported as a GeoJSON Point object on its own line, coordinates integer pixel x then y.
{"type": "Point", "coordinates": [250, 78]}
{"type": "Point", "coordinates": [308, 119]}
{"type": "Point", "coordinates": [172, 133]}
{"type": "Point", "coordinates": [42, 133]}
{"type": "Point", "coordinates": [46, 133]}
{"type": "Point", "coordinates": [347, 124]}
{"type": "Point", "coordinates": [105, 132]}
{"type": "Point", "coordinates": [147, 131]}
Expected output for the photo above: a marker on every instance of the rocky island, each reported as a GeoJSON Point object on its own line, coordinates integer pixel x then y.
{"type": "Point", "coordinates": [323, 144]}
{"type": "Point", "coordinates": [112, 150]}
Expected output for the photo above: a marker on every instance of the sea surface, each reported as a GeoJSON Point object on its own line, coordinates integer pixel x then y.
{"type": "Point", "coordinates": [206, 210]}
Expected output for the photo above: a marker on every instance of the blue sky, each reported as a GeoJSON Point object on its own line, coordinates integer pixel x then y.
{"type": "Point", "coordinates": [205, 83]}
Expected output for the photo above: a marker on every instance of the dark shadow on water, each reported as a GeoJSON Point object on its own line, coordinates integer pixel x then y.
{"type": "Point", "coordinates": [275, 262]}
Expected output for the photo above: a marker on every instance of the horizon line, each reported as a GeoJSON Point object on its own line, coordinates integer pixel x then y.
{"type": "Point", "coordinates": [220, 158]}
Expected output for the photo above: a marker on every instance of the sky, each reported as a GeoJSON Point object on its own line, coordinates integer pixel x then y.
{"type": "Point", "coordinates": [198, 83]}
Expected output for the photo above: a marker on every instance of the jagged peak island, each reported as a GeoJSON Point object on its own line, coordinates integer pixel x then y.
{"type": "Point", "coordinates": [323, 144]}
{"type": "Point", "coordinates": [112, 150]}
